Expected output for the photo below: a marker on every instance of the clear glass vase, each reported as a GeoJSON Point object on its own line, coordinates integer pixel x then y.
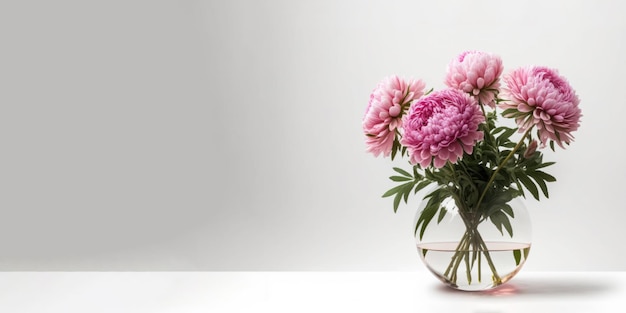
{"type": "Point", "coordinates": [474, 253]}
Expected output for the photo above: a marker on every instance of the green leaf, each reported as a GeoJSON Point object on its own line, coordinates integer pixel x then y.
{"type": "Point", "coordinates": [400, 178]}
{"type": "Point", "coordinates": [402, 172]}
{"type": "Point", "coordinates": [396, 202]}
{"type": "Point", "coordinates": [519, 187]}
{"type": "Point", "coordinates": [517, 254]}
{"type": "Point", "coordinates": [392, 191]}
{"type": "Point", "coordinates": [425, 217]}
{"type": "Point", "coordinates": [407, 190]}
{"type": "Point", "coordinates": [498, 129]}
{"type": "Point", "coordinates": [508, 210]}
{"type": "Point", "coordinates": [511, 113]}
{"type": "Point", "coordinates": [542, 184]}
{"type": "Point", "coordinates": [509, 144]}
{"type": "Point", "coordinates": [541, 165]}
{"type": "Point", "coordinates": [499, 219]}
{"type": "Point", "coordinates": [394, 147]}
{"type": "Point", "coordinates": [429, 212]}
{"type": "Point", "coordinates": [442, 214]}
{"type": "Point", "coordinates": [545, 176]}
{"type": "Point", "coordinates": [415, 173]}
{"type": "Point", "coordinates": [507, 225]}
{"type": "Point", "coordinates": [401, 192]}
{"type": "Point", "coordinates": [506, 134]}
{"type": "Point", "coordinates": [530, 186]}
{"type": "Point", "coordinates": [497, 201]}
{"type": "Point", "coordinates": [421, 185]}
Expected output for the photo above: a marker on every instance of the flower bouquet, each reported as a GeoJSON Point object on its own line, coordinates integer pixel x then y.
{"type": "Point", "coordinates": [475, 167]}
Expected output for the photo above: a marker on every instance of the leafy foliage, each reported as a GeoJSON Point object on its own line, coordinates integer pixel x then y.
{"type": "Point", "coordinates": [481, 183]}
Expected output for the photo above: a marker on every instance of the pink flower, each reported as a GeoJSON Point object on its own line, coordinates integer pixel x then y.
{"type": "Point", "coordinates": [441, 126]}
{"type": "Point", "coordinates": [538, 96]}
{"type": "Point", "coordinates": [477, 73]}
{"type": "Point", "coordinates": [384, 112]}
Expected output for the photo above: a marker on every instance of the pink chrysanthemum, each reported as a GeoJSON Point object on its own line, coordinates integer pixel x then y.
{"type": "Point", "coordinates": [441, 126]}
{"type": "Point", "coordinates": [477, 73]}
{"type": "Point", "coordinates": [538, 96]}
{"type": "Point", "coordinates": [384, 112]}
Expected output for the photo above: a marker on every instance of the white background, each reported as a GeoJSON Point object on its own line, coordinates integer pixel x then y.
{"type": "Point", "coordinates": [226, 135]}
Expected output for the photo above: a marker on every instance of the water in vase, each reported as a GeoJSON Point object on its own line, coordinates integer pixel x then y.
{"type": "Point", "coordinates": [474, 270]}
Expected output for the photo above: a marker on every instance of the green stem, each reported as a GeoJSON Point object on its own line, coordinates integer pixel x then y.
{"type": "Point", "coordinates": [457, 251]}
{"type": "Point", "coordinates": [456, 180]}
{"type": "Point", "coordinates": [470, 238]}
{"type": "Point", "coordinates": [458, 259]}
{"type": "Point", "coordinates": [488, 257]}
{"type": "Point", "coordinates": [479, 268]}
{"type": "Point", "coordinates": [482, 108]}
{"type": "Point", "coordinates": [493, 176]}
{"type": "Point", "coordinates": [468, 271]}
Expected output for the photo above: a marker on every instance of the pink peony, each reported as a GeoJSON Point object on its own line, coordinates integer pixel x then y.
{"type": "Point", "coordinates": [477, 73]}
{"type": "Point", "coordinates": [441, 126]}
{"type": "Point", "coordinates": [384, 112]}
{"type": "Point", "coordinates": [538, 96]}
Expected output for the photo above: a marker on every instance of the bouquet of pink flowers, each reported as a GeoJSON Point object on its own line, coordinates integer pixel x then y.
{"type": "Point", "coordinates": [452, 141]}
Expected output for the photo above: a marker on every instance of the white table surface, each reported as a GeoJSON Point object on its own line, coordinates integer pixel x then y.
{"type": "Point", "coordinates": [182, 292]}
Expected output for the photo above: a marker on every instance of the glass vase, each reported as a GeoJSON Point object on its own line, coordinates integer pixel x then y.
{"type": "Point", "coordinates": [472, 253]}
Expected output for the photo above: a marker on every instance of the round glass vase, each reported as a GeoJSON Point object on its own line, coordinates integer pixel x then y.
{"type": "Point", "coordinates": [474, 254]}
